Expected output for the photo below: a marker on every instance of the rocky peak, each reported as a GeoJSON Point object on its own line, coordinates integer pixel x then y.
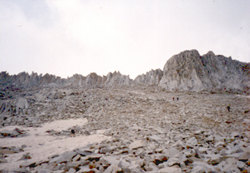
{"type": "Point", "coordinates": [24, 80]}
{"type": "Point", "coordinates": [190, 71]}
{"type": "Point", "coordinates": [210, 54]}
{"type": "Point", "coordinates": [76, 80]}
{"type": "Point", "coordinates": [117, 79]}
{"type": "Point", "coordinates": [93, 80]}
{"type": "Point", "coordinates": [152, 77]}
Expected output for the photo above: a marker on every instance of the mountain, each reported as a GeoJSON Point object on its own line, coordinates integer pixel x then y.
{"type": "Point", "coordinates": [188, 71]}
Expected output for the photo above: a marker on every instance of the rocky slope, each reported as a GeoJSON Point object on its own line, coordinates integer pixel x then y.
{"type": "Point", "coordinates": [190, 71]}
{"type": "Point", "coordinates": [125, 130]}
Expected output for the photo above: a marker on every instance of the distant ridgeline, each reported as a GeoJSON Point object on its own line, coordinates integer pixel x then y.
{"type": "Point", "coordinates": [186, 71]}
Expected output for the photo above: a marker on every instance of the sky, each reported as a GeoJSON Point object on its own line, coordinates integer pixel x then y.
{"type": "Point", "coordinates": [65, 37]}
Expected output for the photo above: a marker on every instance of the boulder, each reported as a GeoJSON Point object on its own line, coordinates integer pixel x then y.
{"type": "Point", "coordinates": [173, 169]}
{"type": "Point", "coordinates": [192, 142]}
{"type": "Point", "coordinates": [136, 144]}
{"type": "Point", "coordinates": [65, 157]}
{"type": "Point", "coordinates": [21, 105]}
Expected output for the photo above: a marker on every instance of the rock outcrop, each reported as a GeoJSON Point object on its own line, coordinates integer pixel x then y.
{"type": "Point", "coordinates": [76, 80]}
{"type": "Point", "coordinates": [24, 80]}
{"type": "Point", "coordinates": [117, 79]}
{"type": "Point", "coordinates": [21, 105]}
{"type": "Point", "coordinates": [94, 81]}
{"type": "Point", "coordinates": [191, 72]}
{"type": "Point", "coordinates": [152, 77]}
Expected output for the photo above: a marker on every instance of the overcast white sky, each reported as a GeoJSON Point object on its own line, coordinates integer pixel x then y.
{"type": "Point", "coordinates": [64, 37]}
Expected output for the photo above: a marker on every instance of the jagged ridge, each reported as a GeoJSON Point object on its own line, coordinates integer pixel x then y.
{"type": "Point", "coordinates": [186, 71]}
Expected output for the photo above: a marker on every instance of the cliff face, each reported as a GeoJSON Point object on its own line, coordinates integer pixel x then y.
{"type": "Point", "coordinates": [117, 79]}
{"type": "Point", "coordinates": [152, 77]}
{"type": "Point", "coordinates": [190, 71]}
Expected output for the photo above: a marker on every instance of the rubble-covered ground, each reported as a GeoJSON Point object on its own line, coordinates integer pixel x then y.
{"type": "Point", "coordinates": [136, 129]}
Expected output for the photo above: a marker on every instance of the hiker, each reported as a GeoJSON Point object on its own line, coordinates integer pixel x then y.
{"type": "Point", "coordinates": [73, 132]}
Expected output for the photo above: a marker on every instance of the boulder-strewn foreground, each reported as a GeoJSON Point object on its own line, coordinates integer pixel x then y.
{"type": "Point", "coordinates": [126, 130]}
{"type": "Point", "coordinates": [115, 124]}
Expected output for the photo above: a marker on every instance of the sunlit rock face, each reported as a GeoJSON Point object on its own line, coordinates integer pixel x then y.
{"type": "Point", "coordinates": [152, 77]}
{"type": "Point", "coordinates": [117, 79]}
{"type": "Point", "coordinates": [191, 71]}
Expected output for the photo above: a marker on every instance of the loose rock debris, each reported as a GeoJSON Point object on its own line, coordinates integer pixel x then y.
{"type": "Point", "coordinates": [127, 130]}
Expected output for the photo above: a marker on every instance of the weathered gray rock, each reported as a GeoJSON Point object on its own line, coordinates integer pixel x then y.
{"type": "Point", "coordinates": [93, 81]}
{"type": "Point", "coordinates": [199, 167]}
{"type": "Point", "coordinates": [173, 161]}
{"type": "Point", "coordinates": [241, 165]}
{"type": "Point", "coordinates": [2, 160]}
{"type": "Point", "coordinates": [71, 170]}
{"type": "Point", "coordinates": [85, 169]}
{"type": "Point", "coordinates": [7, 106]}
{"type": "Point", "coordinates": [76, 80]}
{"type": "Point", "coordinates": [12, 133]}
{"type": "Point", "coordinates": [136, 144]}
{"type": "Point", "coordinates": [21, 170]}
{"type": "Point", "coordinates": [244, 156]}
{"type": "Point", "coordinates": [43, 171]}
{"type": "Point", "coordinates": [21, 105]}
{"type": "Point", "coordinates": [185, 71]}
{"type": "Point", "coordinates": [190, 71]}
{"type": "Point", "coordinates": [214, 159]}
{"type": "Point", "coordinates": [152, 77]}
{"type": "Point", "coordinates": [117, 79]}
{"type": "Point", "coordinates": [25, 156]}
{"type": "Point", "coordinates": [173, 169]}
{"type": "Point", "coordinates": [229, 165]}
{"type": "Point", "coordinates": [65, 157]}
{"type": "Point", "coordinates": [192, 142]}
{"type": "Point", "coordinates": [172, 152]}
{"type": "Point", "coordinates": [25, 80]}
{"type": "Point", "coordinates": [146, 129]}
